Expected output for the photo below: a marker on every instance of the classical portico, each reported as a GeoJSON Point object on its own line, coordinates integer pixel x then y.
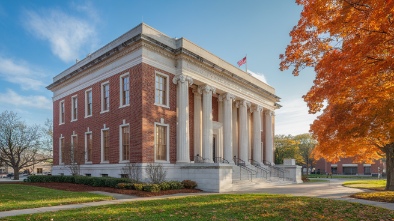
{"type": "Point", "coordinates": [244, 128]}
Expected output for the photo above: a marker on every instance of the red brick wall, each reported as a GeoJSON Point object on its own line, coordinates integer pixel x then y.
{"type": "Point", "coordinates": [326, 166]}
{"type": "Point", "coordinates": [152, 113]}
{"type": "Point", "coordinates": [112, 119]}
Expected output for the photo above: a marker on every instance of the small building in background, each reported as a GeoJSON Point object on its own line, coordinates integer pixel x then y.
{"type": "Point", "coordinates": [346, 166]}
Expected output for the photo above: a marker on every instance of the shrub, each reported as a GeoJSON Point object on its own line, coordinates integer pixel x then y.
{"type": "Point", "coordinates": [156, 173]}
{"type": "Point", "coordinates": [164, 186]}
{"type": "Point", "coordinates": [138, 186]}
{"type": "Point", "coordinates": [47, 179]}
{"type": "Point", "coordinates": [175, 185]}
{"type": "Point", "coordinates": [128, 186]}
{"type": "Point", "coordinates": [151, 188]}
{"type": "Point", "coordinates": [189, 184]}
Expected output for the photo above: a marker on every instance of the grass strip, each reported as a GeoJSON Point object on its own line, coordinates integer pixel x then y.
{"type": "Point", "coordinates": [224, 207]}
{"type": "Point", "coordinates": [17, 196]}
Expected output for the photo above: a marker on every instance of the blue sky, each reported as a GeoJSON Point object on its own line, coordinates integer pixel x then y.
{"type": "Point", "coordinates": [40, 39]}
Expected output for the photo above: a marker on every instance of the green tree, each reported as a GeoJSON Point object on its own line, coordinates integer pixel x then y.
{"type": "Point", "coordinates": [286, 147]}
{"type": "Point", "coordinates": [306, 146]}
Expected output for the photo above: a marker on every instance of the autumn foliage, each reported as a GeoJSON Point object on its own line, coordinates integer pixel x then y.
{"type": "Point", "coordinates": [350, 43]}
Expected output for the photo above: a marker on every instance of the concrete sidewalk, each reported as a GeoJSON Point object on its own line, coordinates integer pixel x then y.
{"type": "Point", "coordinates": [330, 190]}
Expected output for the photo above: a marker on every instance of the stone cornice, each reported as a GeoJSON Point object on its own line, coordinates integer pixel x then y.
{"type": "Point", "coordinates": [177, 49]}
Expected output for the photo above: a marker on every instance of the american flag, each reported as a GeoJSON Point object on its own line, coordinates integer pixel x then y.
{"type": "Point", "coordinates": [242, 61]}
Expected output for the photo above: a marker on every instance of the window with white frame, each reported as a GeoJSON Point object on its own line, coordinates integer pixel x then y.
{"type": "Point", "coordinates": [74, 147]}
{"type": "Point", "coordinates": [124, 90]}
{"type": "Point", "coordinates": [105, 97]}
{"type": "Point", "coordinates": [124, 142]}
{"type": "Point", "coordinates": [105, 145]}
{"type": "Point", "coordinates": [88, 146]}
{"type": "Point", "coordinates": [161, 89]}
{"type": "Point", "coordinates": [88, 103]}
{"type": "Point", "coordinates": [61, 149]}
{"type": "Point", "coordinates": [62, 113]}
{"type": "Point", "coordinates": [74, 108]}
{"type": "Point", "coordinates": [161, 142]}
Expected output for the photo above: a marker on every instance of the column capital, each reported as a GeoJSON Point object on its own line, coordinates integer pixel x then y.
{"type": "Point", "coordinates": [256, 108]}
{"type": "Point", "coordinates": [226, 96]}
{"type": "Point", "coordinates": [269, 113]}
{"type": "Point", "coordinates": [206, 88]}
{"type": "Point", "coordinates": [196, 90]}
{"type": "Point", "coordinates": [182, 78]}
{"type": "Point", "coordinates": [243, 103]}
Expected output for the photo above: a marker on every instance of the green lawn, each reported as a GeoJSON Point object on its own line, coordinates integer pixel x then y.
{"type": "Point", "coordinates": [366, 184]}
{"type": "Point", "coordinates": [224, 207]}
{"type": "Point", "coordinates": [17, 196]}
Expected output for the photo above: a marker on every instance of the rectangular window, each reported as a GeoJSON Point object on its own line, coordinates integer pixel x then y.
{"type": "Point", "coordinates": [89, 147]}
{"type": "Point", "coordinates": [61, 112]}
{"type": "Point", "coordinates": [124, 90]}
{"type": "Point", "coordinates": [126, 143]}
{"type": "Point", "coordinates": [61, 150]}
{"type": "Point", "coordinates": [39, 170]}
{"type": "Point", "coordinates": [161, 142]}
{"type": "Point", "coordinates": [105, 97]}
{"type": "Point", "coordinates": [74, 146]}
{"type": "Point", "coordinates": [105, 145]}
{"type": "Point", "coordinates": [161, 90]}
{"type": "Point", "coordinates": [74, 108]}
{"type": "Point", "coordinates": [88, 103]}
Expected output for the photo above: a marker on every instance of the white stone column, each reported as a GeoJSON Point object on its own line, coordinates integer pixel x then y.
{"type": "Point", "coordinates": [182, 151]}
{"type": "Point", "coordinates": [207, 132]}
{"type": "Point", "coordinates": [227, 126]}
{"type": "Point", "coordinates": [256, 110]}
{"type": "Point", "coordinates": [269, 139]}
{"type": "Point", "coordinates": [235, 130]}
{"type": "Point", "coordinates": [197, 122]}
{"type": "Point", "coordinates": [243, 129]}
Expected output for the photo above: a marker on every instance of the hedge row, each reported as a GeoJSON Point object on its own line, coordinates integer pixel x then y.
{"type": "Point", "coordinates": [166, 185]}
{"type": "Point", "coordinates": [121, 183]}
{"type": "Point", "coordinates": [90, 181]}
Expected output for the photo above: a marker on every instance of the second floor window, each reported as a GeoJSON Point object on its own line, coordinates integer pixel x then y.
{"type": "Point", "coordinates": [105, 97]}
{"type": "Point", "coordinates": [89, 104]}
{"type": "Point", "coordinates": [62, 113]}
{"type": "Point", "coordinates": [74, 108]}
{"type": "Point", "coordinates": [161, 90]}
{"type": "Point", "coordinates": [125, 90]}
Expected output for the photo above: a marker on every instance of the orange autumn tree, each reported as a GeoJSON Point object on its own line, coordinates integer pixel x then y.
{"type": "Point", "coordinates": [350, 44]}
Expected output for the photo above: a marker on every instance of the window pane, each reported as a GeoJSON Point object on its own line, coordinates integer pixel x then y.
{"type": "Point", "coordinates": [126, 143]}
{"type": "Point", "coordinates": [161, 86]}
{"type": "Point", "coordinates": [161, 142]}
{"type": "Point", "coordinates": [89, 147]}
{"type": "Point", "coordinates": [125, 90]}
{"type": "Point", "coordinates": [106, 144]}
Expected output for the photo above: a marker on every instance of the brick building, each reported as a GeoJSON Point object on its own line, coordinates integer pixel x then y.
{"type": "Point", "coordinates": [148, 98]}
{"type": "Point", "coordinates": [346, 166]}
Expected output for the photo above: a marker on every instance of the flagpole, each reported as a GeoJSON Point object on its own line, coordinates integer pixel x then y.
{"type": "Point", "coordinates": [246, 63]}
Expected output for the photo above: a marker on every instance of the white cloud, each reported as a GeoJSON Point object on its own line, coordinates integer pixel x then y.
{"type": "Point", "coordinates": [13, 99]}
{"type": "Point", "coordinates": [21, 73]}
{"type": "Point", "coordinates": [259, 76]}
{"type": "Point", "coordinates": [293, 117]}
{"type": "Point", "coordinates": [66, 34]}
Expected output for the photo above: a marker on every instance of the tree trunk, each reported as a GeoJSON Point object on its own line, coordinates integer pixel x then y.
{"type": "Point", "coordinates": [389, 149]}
{"type": "Point", "coordinates": [16, 173]}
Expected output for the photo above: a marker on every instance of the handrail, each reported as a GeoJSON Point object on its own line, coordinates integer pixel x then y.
{"type": "Point", "coordinates": [220, 160]}
{"type": "Point", "coordinates": [242, 165]}
{"type": "Point", "coordinates": [278, 170]}
{"type": "Point", "coordinates": [262, 169]}
{"type": "Point", "coordinates": [267, 163]}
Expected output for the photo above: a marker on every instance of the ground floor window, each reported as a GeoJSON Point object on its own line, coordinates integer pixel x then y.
{"type": "Point", "coordinates": [349, 170]}
{"type": "Point", "coordinates": [39, 170]}
{"type": "Point", "coordinates": [367, 170]}
{"type": "Point", "coordinates": [334, 170]}
{"type": "Point", "coordinates": [161, 142]}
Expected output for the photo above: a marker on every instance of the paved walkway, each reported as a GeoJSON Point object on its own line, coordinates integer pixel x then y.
{"type": "Point", "coordinates": [331, 190]}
